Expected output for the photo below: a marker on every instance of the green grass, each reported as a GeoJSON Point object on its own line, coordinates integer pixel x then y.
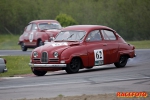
{"type": "Point", "coordinates": [145, 44]}
{"type": "Point", "coordinates": [16, 65]}
{"type": "Point", "coordinates": [9, 42]}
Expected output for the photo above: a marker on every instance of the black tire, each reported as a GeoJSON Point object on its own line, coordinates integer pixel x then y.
{"type": "Point", "coordinates": [40, 43]}
{"type": "Point", "coordinates": [23, 47]}
{"type": "Point", "coordinates": [122, 62]}
{"type": "Point", "coordinates": [38, 73]}
{"type": "Point", "coordinates": [74, 66]}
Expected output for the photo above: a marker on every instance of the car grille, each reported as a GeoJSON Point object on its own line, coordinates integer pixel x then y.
{"type": "Point", "coordinates": [53, 60]}
{"type": "Point", "coordinates": [44, 57]}
{"type": "Point", "coordinates": [36, 60]}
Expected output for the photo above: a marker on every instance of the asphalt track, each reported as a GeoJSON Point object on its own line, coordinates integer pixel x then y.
{"type": "Point", "coordinates": [14, 52]}
{"type": "Point", "coordinates": [98, 80]}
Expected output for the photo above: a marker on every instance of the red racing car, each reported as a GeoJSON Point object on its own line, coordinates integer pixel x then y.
{"type": "Point", "coordinates": [37, 32]}
{"type": "Point", "coordinates": [81, 46]}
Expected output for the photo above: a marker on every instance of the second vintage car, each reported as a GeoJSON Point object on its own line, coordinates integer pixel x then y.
{"type": "Point", "coordinates": [81, 46]}
{"type": "Point", "coordinates": [37, 32]}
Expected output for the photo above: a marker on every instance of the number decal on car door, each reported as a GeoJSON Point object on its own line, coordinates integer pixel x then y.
{"type": "Point", "coordinates": [31, 37]}
{"type": "Point", "coordinates": [99, 57]}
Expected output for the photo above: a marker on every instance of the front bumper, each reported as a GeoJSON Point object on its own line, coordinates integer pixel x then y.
{"type": "Point", "coordinates": [47, 65]}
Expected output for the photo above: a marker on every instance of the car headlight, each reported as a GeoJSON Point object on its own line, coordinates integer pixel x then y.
{"type": "Point", "coordinates": [35, 54]}
{"type": "Point", "coordinates": [55, 54]}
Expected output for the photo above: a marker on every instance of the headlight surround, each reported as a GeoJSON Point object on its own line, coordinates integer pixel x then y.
{"type": "Point", "coordinates": [35, 54]}
{"type": "Point", "coordinates": [55, 54]}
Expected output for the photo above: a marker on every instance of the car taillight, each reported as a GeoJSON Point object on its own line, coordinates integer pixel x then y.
{"type": "Point", "coordinates": [5, 61]}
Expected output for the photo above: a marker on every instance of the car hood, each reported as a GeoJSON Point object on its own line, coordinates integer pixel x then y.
{"type": "Point", "coordinates": [52, 32]}
{"type": "Point", "coordinates": [59, 47]}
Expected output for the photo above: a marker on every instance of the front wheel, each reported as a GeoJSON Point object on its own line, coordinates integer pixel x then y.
{"type": "Point", "coordinates": [23, 47]}
{"type": "Point", "coordinates": [38, 73]}
{"type": "Point", "coordinates": [74, 66]}
{"type": "Point", "coordinates": [122, 62]}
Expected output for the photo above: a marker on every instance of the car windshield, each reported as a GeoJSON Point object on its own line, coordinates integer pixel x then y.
{"type": "Point", "coordinates": [70, 36]}
{"type": "Point", "coordinates": [48, 26]}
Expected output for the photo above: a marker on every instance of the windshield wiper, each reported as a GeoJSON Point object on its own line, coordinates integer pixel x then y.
{"type": "Point", "coordinates": [82, 37]}
{"type": "Point", "coordinates": [70, 36]}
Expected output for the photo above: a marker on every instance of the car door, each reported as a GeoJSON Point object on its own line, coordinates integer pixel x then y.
{"type": "Point", "coordinates": [33, 35]}
{"type": "Point", "coordinates": [112, 44]}
{"type": "Point", "coordinates": [27, 34]}
{"type": "Point", "coordinates": [97, 50]}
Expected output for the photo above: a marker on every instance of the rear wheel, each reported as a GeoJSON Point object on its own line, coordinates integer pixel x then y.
{"type": "Point", "coordinates": [23, 47]}
{"type": "Point", "coordinates": [122, 62]}
{"type": "Point", "coordinates": [38, 73]}
{"type": "Point", "coordinates": [74, 66]}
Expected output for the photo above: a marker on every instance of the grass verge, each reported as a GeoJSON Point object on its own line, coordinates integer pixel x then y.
{"type": "Point", "coordinates": [145, 44]}
{"type": "Point", "coordinates": [111, 96]}
{"type": "Point", "coordinates": [16, 65]}
{"type": "Point", "coordinates": [9, 42]}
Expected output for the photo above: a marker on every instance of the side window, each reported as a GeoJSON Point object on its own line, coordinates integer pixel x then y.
{"type": "Point", "coordinates": [34, 27]}
{"type": "Point", "coordinates": [108, 35]}
{"type": "Point", "coordinates": [28, 27]}
{"type": "Point", "coordinates": [94, 36]}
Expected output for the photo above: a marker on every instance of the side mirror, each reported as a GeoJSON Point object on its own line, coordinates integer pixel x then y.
{"type": "Point", "coordinates": [88, 39]}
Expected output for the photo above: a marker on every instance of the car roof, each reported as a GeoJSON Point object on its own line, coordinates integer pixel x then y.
{"type": "Point", "coordinates": [43, 21]}
{"type": "Point", "coordinates": [86, 27]}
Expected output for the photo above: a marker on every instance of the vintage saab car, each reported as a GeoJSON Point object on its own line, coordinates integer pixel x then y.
{"type": "Point", "coordinates": [37, 32]}
{"type": "Point", "coordinates": [81, 46]}
{"type": "Point", "coordinates": [3, 65]}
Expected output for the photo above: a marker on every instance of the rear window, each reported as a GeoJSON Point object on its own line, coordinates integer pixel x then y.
{"type": "Point", "coordinates": [28, 27]}
{"type": "Point", "coordinates": [108, 35]}
{"type": "Point", "coordinates": [34, 27]}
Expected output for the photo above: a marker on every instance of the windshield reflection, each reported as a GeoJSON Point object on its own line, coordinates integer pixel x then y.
{"type": "Point", "coordinates": [47, 26]}
{"type": "Point", "coordinates": [70, 36]}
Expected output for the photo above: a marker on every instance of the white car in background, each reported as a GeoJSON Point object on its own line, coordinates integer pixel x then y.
{"type": "Point", "coordinates": [3, 65]}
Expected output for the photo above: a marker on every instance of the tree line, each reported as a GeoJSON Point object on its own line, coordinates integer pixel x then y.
{"type": "Point", "coordinates": [130, 18]}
